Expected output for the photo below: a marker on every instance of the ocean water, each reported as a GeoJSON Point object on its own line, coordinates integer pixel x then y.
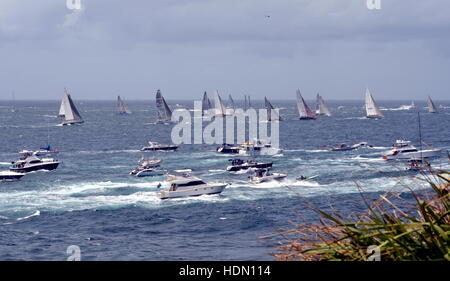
{"type": "Point", "coordinates": [91, 201]}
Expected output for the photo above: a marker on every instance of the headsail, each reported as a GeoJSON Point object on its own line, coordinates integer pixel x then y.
{"type": "Point", "coordinates": [164, 111]}
{"type": "Point", "coordinates": [121, 106]}
{"type": "Point", "coordinates": [272, 114]}
{"type": "Point", "coordinates": [303, 109]}
{"type": "Point", "coordinates": [431, 106]}
{"type": "Point", "coordinates": [321, 107]}
{"type": "Point", "coordinates": [372, 110]}
{"type": "Point", "coordinates": [231, 102]}
{"type": "Point", "coordinates": [70, 111]}
{"type": "Point", "coordinates": [218, 104]}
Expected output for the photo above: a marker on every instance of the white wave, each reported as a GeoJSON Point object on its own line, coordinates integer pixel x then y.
{"type": "Point", "coordinates": [37, 213]}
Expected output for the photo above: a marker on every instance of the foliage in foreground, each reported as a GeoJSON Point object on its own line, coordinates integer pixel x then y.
{"type": "Point", "coordinates": [387, 229]}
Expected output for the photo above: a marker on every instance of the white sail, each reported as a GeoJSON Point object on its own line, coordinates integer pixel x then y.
{"type": "Point", "coordinates": [431, 106]}
{"type": "Point", "coordinates": [272, 115]}
{"type": "Point", "coordinates": [218, 104]}
{"type": "Point", "coordinates": [372, 110]}
{"type": "Point", "coordinates": [71, 113]}
{"type": "Point", "coordinates": [63, 106]}
{"type": "Point", "coordinates": [303, 109]}
{"type": "Point", "coordinates": [321, 107]}
{"type": "Point", "coordinates": [122, 108]}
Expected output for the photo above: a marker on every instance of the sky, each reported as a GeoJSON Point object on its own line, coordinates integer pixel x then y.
{"type": "Point", "coordinates": [238, 47]}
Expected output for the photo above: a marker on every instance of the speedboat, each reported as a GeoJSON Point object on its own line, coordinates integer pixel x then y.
{"type": "Point", "coordinates": [228, 148]}
{"type": "Point", "coordinates": [33, 163]}
{"type": "Point", "coordinates": [404, 150]}
{"type": "Point", "coordinates": [260, 148]}
{"type": "Point", "coordinates": [264, 175]}
{"type": "Point", "coordinates": [147, 168]}
{"type": "Point", "coordinates": [345, 147]}
{"type": "Point", "coordinates": [239, 164]}
{"type": "Point", "coordinates": [154, 146]}
{"type": "Point", "coordinates": [187, 186]}
{"type": "Point", "coordinates": [10, 176]}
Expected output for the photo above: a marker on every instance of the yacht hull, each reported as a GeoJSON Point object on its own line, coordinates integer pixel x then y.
{"type": "Point", "coordinates": [167, 148]}
{"type": "Point", "coordinates": [38, 167]}
{"type": "Point", "coordinates": [414, 155]}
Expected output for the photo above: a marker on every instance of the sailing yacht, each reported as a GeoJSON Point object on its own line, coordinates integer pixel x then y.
{"type": "Point", "coordinates": [372, 109]}
{"type": "Point", "coordinates": [272, 114]}
{"type": "Point", "coordinates": [303, 109]}
{"type": "Point", "coordinates": [321, 107]}
{"type": "Point", "coordinates": [231, 106]}
{"type": "Point", "coordinates": [431, 106]}
{"type": "Point", "coordinates": [220, 110]}
{"type": "Point", "coordinates": [69, 111]}
{"type": "Point", "coordinates": [164, 114]}
{"type": "Point", "coordinates": [121, 107]}
{"type": "Point", "coordinates": [13, 108]}
{"type": "Point", "coordinates": [206, 105]}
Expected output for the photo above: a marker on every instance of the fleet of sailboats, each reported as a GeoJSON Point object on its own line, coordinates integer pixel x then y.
{"type": "Point", "coordinates": [431, 106]}
{"type": "Point", "coordinates": [164, 113]}
{"type": "Point", "coordinates": [69, 111]}
{"type": "Point", "coordinates": [321, 107]}
{"type": "Point", "coordinates": [304, 111]}
{"type": "Point", "coordinates": [372, 109]}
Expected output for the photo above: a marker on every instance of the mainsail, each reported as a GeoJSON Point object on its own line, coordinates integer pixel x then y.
{"type": "Point", "coordinates": [303, 109]}
{"type": "Point", "coordinates": [218, 104]}
{"type": "Point", "coordinates": [272, 114]}
{"type": "Point", "coordinates": [164, 113]}
{"type": "Point", "coordinates": [321, 107]}
{"type": "Point", "coordinates": [121, 106]}
{"type": "Point", "coordinates": [62, 106]}
{"type": "Point", "coordinates": [431, 106]}
{"type": "Point", "coordinates": [70, 111]}
{"type": "Point", "coordinates": [372, 109]}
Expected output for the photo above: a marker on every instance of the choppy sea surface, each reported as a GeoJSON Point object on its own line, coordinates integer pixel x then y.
{"type": "Point", "coordinates": [91, 201]}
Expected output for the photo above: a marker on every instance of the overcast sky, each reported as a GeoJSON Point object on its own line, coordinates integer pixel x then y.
{"type": "Point", "coordinates": [185, 47]}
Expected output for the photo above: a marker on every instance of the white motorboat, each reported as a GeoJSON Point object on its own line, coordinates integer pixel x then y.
{"type": "Point", "coordinates": [33, 163]}
{"type": "Point", "coordinates": [187, 186]}
{"type": "Point", "coordinates": [10, 175]}
{"type": "Point", "coordinates": [259, 148]}
{"type": "Point", "coordinates": [265, 175]}
{"type": "Point", "coordinates": [147, 168]}
{"type": "Point", "coordinates": [345, 147]}
{"type": "Point", "coordinates": [154, 146]}
{"type": "Point", "coordinates": [404, 150]}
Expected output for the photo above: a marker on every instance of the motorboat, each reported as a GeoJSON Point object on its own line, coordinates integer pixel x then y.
{"type": "Point", "coordinates": [188, 185]}
{"type": "Point", "coordinates": [154, 146]}
{"type": "Point", "coordinates": [228, 149]}
{"type": "Point", "coordinates": [259, 148]}
{"type": "Point", "coordinates": [147, 168]}
{"type": "Point", "coordinates": [33, 163]}
{"type": "Point", "coordinates": [345, 147]}
{"type": "Point", "coordinates": [10, 175]}
{"type": "Point", "coordinates": [239, 164]}
{"type": "Point", "coordinates": [265, 175]}
{"type": "Point", "coordinates": [404, 150]}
